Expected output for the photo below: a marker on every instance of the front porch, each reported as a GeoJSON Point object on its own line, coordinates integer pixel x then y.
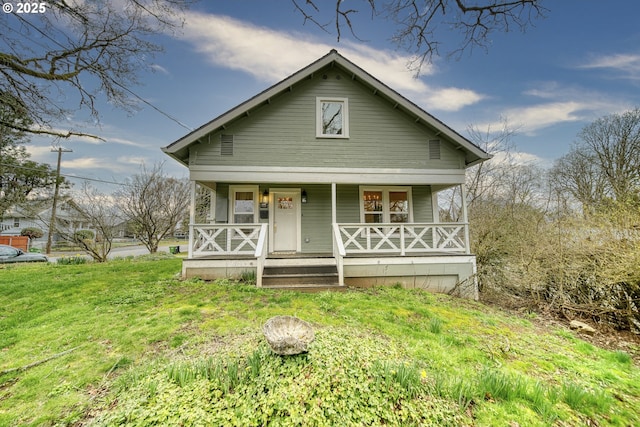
{"type": "Point", "coordinates": [432, 256]}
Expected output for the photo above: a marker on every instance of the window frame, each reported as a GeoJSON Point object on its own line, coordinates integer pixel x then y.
{"type": "Point", "coordinates": [233, 189]}
{"type": "Point", "coordinates": [386, 213]}
{"type": "Point", "coordinates": [345, 117]}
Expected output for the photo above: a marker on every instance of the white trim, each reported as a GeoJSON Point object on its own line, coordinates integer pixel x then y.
{"type": "Point", "coordinates": [192, 214]}
{"type": "Point", "coordinates": [298, 193]}
{"type": "Point", "coordinates": [322, 175]}
{"type": "Point", "coordinates": [241, 188]}
{"type": "Point", "coordinates": [213, 196]}
{"type": "Point", "coordinates": [334, 203]}
{"type": "Point", "coordinates": [435, 207]}
{"type": "Point", "coordinates": [345, 117]}
{"type": "Point", "coordinates": [465, 215]}
{"type": "Point", "coordinates": [386, 215]}
{"type": "Point", "coordinates": [375, 259]}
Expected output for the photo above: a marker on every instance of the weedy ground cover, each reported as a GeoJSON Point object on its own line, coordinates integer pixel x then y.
{"type": "Point", "coordinates": [126, 342]}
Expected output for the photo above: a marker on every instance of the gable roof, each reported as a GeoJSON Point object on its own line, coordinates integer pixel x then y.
{"type": "Point", "coordinates": [179, 149]}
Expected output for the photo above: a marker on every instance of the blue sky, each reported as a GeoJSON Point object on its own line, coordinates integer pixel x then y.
{"type": "Point", "coordinates": [579, 63]}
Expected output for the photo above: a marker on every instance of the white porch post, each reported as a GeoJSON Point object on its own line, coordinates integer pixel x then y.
{"type": "Point", "coordinates": [338, 249]}
{"type": "Point", "coordinates": [435, 207]}
{"type": "Point", "coordinates": [212, 204]}
{"type": "Point", "coordinates": [334, 203]}
{"type": "Point", "coordinates": [465, 217]}
{"type": "Point", "coordinates": [192, 217]}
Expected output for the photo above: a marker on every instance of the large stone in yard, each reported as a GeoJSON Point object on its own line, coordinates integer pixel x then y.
{"type": "Point", "coordinates": [582, 327]}
{"type": "Point", "coordinates": [288, 335]}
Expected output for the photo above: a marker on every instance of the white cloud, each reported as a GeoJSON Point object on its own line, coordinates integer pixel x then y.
{"type": "Point", "coordinates": [541, 116]}
{"type": "Point", "coordinates": [518, 158]}
{"type": "Point", "coordinates": [85, 163]}
{"type": "Point", "coordinates": [626, 63]}
{"type": "Point", "coordinates": [95, 163]}
{"type": "Point", "coordinates": [133, 160]}
{"type": "Point", "coordinates": [159, 68]}
{"type": "Point", "coordinates": [128, 142]}
{"type": "Point", "coordinates": [271, 55]}
{"type": "Point", "coordinates": [451, 99]}
{"type": "Point", "coordinates": [559, 104]}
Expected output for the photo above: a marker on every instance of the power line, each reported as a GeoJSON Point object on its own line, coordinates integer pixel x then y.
{"type": "Point", "coordinates": [62, 174]}
{"type": "Point", "coordinates": [114, 82]}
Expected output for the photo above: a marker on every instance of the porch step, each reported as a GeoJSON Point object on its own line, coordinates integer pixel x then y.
{"type": "Point", "coordinates": [309, 288]}
{"type": "Point", "coordinates": [300, 276]}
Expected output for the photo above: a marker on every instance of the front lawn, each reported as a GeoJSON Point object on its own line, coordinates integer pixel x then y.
{"type": "Point", "coordinates": [127, 342]}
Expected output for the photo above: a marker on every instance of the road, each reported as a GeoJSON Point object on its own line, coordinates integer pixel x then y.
{"type": "Point", "coordinates": [122, 251]}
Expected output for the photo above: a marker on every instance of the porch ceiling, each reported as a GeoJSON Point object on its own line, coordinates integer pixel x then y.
{"type": "Point", "coordinates": [444, 177]}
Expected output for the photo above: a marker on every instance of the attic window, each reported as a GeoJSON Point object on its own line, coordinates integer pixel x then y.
{"type": "Point", "coordinates": [434, 149]}
{"type": "Point", "coordinates": [226, 145]}
{"type": "Point", "coordinates": [332, 118]}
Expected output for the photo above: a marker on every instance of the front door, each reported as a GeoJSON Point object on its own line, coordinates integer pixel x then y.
{"type": "Point", "coordinates": [286, 220]}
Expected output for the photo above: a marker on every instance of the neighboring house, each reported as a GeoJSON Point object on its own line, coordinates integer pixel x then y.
{"type": "Point", "coordinates": [329, 176]}
{"type": "Point", "coordinates": [37, 214]}
{"type": "Point", "coordinates": [16, 219]}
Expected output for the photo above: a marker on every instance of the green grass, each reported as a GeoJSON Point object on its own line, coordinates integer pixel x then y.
{"type": "Point", "coordinates": [144, 348]}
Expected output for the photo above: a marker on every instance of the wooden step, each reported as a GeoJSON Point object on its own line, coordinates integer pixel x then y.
{"type": "Point", "coordinates": [309, 288]}
{"type": "Point", "coordinates": [305, 276]}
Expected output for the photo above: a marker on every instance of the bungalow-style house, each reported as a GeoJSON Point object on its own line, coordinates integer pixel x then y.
{"type": "Point", "coordinates": [328, 177]}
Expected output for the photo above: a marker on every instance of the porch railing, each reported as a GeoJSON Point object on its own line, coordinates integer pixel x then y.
{"type": "Point", "coordinates": [404, 238]}
{"type": "Point", "coordinates": [227, 239]}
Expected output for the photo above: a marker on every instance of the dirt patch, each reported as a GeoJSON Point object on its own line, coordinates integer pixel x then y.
{"type": "Point", "coordinates": [606, 336]}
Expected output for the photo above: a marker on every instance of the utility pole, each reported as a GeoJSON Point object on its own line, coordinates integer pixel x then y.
{"type": "Point", "coordinates": [56, 190]}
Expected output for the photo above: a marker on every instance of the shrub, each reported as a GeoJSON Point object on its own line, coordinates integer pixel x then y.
{"type": "Point", "coordinates": [72, 260]}
{"type": "Point", "coordinates": [32, 232]}
{"type": "Point", "coordinates": [82, 235]}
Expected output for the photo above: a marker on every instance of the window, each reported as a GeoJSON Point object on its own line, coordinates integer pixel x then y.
{"type": "Point", "coordinates": [244, 204]}
{"type": "Point", "coordinates": [332, 118]}
{"type": "Point", "coordinates": [16, 222]}
{"type": "Point", "coordinates": [386, 205]}
{"type": "Point", "coordinates": [372, 202]}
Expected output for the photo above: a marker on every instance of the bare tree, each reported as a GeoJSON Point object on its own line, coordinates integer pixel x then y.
{"type": "Point", "coordinates": [602, 169]}
{"type": "Point", "coordinates": [69, 53]}
{"type": "Point", "coordinates": [486, 177]}
{"type": "Point", "coordinates": [154, 203]}
{"type": "Point", "coordinates": [613, 142]}
{"type": "Point", "coordinates": [577, 174]}
{"type": "Point", "coordinates": [421, 23]}
{"type": "Point", "coordinates": [91, 223]}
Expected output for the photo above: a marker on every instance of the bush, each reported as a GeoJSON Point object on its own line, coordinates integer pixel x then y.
{"type": "Point", "coordinates": [581, 267]}
{"type": "Point", "coordinates": [72, 260]}
{"type": "Point", "coordinates": [82, 235]}
{"type": "Point", "coordinates": [32, 232]}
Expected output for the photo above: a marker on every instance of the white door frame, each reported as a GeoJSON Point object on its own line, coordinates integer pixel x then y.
{"type": "Point", "coordinates": [272, 199]}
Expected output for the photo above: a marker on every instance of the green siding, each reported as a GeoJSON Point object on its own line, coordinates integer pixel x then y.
{"type": "Point", "coordinates": [348, 209]}
{"type": "Point", "coordinates": [422, 207]}
{"type": "Point", "coordinates": [282, 133]}
{"type": "Point", "coordinates": [316, 219]}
